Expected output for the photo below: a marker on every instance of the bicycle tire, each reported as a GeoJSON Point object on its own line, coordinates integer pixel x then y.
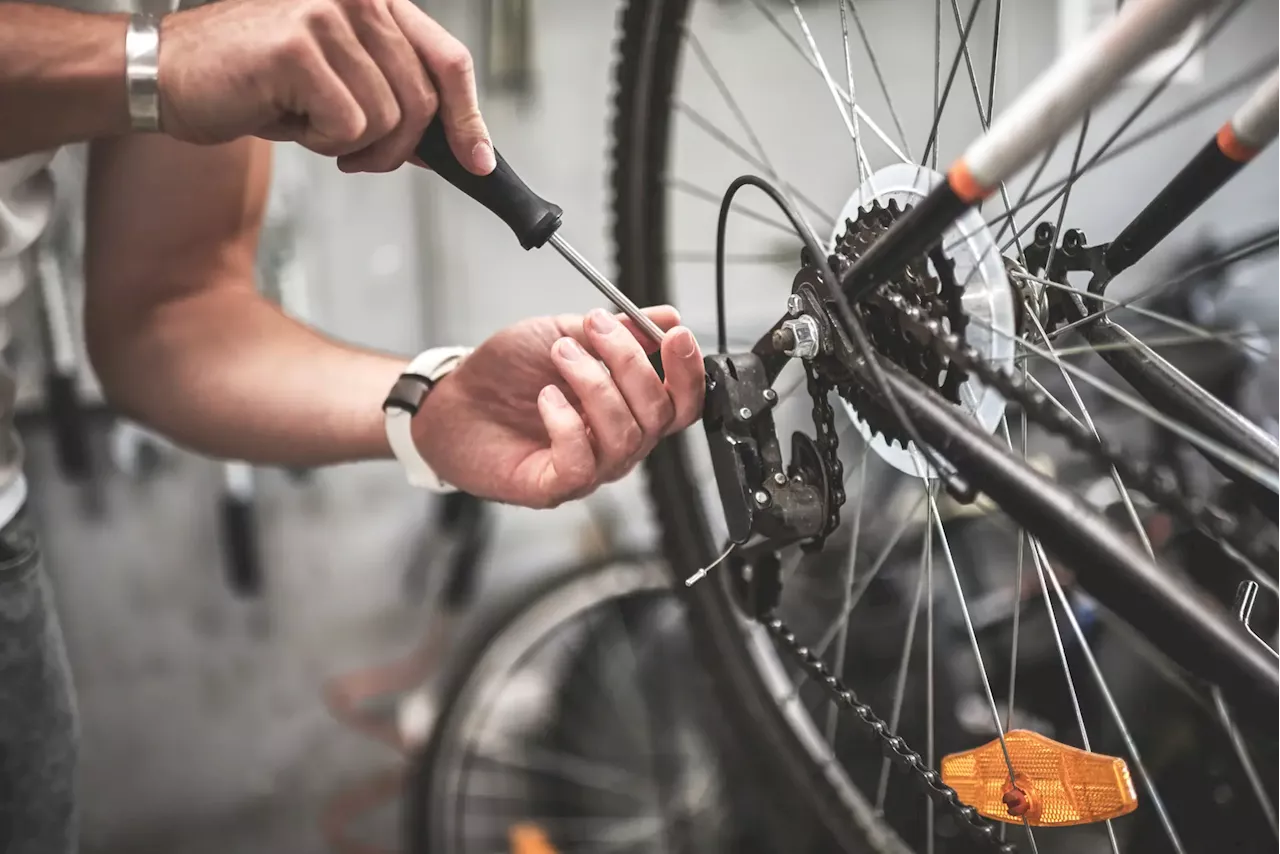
{"type": "Point", "coordinates": [479, 670]}
{"type": "Point", "coordinates": [646, 64]}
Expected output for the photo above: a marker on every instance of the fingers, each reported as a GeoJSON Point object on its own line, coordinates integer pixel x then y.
{"type": "Point", "coordinates": [453, 72]}
{"type": "Point", "coordinates": [414, 95]}
{"type": "Point", "coordinates": [685, 381]}
{"type": "Point", "coordinates": [627, 406]}
{"type": "Point", "coordinates": [617, 436]}
{"type": "Point", "coordinates": [573, 463]}
{"type": "Point", "coordinates": [371, 76]}
{"type": "Point", "coordinates": [664, 316]}
{"type": "Point", "coordinates": [629, 369]}
{"type": "Point", "coordinates": [329, 119]}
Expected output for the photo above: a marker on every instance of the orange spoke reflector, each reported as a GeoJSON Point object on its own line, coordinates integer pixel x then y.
{"type": "Point", "coordinates": [529, 839]}
{"type": "Point", "coordinates": [1054, 785]}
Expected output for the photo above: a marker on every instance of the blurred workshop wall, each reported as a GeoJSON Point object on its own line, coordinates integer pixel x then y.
{"type": "Point", "coordinates": [202, 726]}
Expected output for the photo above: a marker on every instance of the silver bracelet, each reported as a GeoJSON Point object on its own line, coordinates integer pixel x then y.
{"type": "Point", "coordinates": [142, 72]}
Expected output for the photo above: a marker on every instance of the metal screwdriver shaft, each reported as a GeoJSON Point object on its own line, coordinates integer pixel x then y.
{"type": "Point", "coordinates": [606, 287]}
{"type": "Point", "coordinates": [534, 220]}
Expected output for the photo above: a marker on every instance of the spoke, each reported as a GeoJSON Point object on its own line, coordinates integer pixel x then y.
{"type": "Point", "coordinates": [718, 134]}
{"type": "Point", "coordinates": [984, 116]}
{"type": "Point", "coordinates": [931, 146]}
{"type": "Point", "coordinates": [832, 87]}
{"type": "Point", "coordinates": [771, 259]}
{"type": "Point", "coordinates": [937, 106]}
{"type": "Point", "coordinates": [875, 68]}
{"type": "Point", "coordinates": [1075, 174]}
{"type": "Point", "coordinates": [572, 769]}
{"type": "Point", "coordinates": [1233, 458]}
{"type": "Point", "coordinates": [855, 596]}
{"type": "Point", "coordinates": [842, 639]}
{"type": "Point", "coordinates": [870, 576]}
{"type": "Point", "coordinates": [1175, 322]}
{"type": "Point", "coordinates": [791, 40]}
{"type": "Point", "coordinates": [853, 94]}
{"type": "Point", "coordinates": [1106, 154]}
{"type": "Point", "coordinates": [1017, 598]}
{"type": "Point", "coordinates": [691, 189]}
{"type": "Point", "coordinates": [1066, 192]}
{"type": "Point", "coordinates": [908, 644]}
{"type": "Point", "coordinates": [1250, 337]}
{"type": "Point", "coordinates": [1009, 212]}
{"type": "Point", "coordinates": [1037, 557]}
{"type": "Point", "coordinates": [1246, 761]}
{"type": "Point", "coordinates": [1116, 717]}
{"type": "Point", "coordinates": [977, 653]}
{"type": "Point", "coordinates": [1088, 421]}
{"type": "Point", "coordinates": [1057, 637]}
{"type": "Point", "coordinates": [741, 118]}
{"type": "Point", "coordinates": [930, 743]}
{"type": "Point", "coordinates": [1239, 254]}
{"type": "Point", "coordinates": [995, 61]}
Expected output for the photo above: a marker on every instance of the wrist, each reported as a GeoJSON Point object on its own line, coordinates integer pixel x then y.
{"type": "Point", "coordinates": [62, 77]}
{"type": "Point", "coordinates": [419, 394]}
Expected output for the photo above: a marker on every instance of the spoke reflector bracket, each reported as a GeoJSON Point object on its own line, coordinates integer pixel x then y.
{"type": "Point", "coordinates": [1054, 785]}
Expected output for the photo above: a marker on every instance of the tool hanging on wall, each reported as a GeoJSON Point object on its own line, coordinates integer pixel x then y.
{"type": "Point", "coordinates": [62, 364]}
{"type": "Point", "coordinates": [508, 49]}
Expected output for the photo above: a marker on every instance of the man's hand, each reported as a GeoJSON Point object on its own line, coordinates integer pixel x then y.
{"type": "Point", "coordinates": [356, 79]}
{"type": "Point", "coordinates": [551, 408]}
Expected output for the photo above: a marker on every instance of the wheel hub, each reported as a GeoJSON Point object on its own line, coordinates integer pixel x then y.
{"type": "Point", "coordinates": [963, 284]}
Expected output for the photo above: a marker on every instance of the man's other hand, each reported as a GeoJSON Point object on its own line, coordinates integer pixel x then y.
{"type": "Point", "coordinates": [549, 409]}
{"type": "Point", "coordinates": [359, 80]}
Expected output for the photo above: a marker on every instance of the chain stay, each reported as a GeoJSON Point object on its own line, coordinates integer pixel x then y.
{"type": "Point", "coordinates": [1156, 481]}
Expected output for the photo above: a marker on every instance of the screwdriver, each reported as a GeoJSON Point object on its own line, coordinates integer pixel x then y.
{"type": "Point", "coordinates": [535, 221]}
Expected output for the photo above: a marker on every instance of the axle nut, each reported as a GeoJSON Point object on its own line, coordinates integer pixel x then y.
{"type": "Point", "coordinates": [802, 336]}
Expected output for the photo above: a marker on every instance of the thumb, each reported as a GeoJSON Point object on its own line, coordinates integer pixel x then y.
{"type": "Point", "coordinates": [465, 129]}
{"type": "Point", "coordinates": [451, 69]}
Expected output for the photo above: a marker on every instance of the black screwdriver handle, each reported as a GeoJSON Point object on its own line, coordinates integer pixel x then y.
{"type": "Point", "coordinates": [531, 217]}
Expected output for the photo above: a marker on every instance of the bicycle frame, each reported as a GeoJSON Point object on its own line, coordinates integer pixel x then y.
{"type": "Point", "coordinates": [1077, 83]}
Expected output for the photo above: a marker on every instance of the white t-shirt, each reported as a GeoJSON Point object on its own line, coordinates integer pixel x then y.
{"type": "Point", "coordinates": [26, 206]}
{"type": "Point", "coordinates": [27, 201]}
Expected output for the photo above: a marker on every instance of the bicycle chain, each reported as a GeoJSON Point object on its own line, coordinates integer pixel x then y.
{"type": "Point", "coordinates": [892, 745]}
{"type": "Point", "coordinates": [828, 442]}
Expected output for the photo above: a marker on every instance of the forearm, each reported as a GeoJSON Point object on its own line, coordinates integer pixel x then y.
{"type": "Point", "coordinates": [225, 373]}
{"type": "Point", "coordinates": [62, 78]}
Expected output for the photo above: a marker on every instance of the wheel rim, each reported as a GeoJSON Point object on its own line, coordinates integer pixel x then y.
{"type": "Point", "coordinates": [718, 64]}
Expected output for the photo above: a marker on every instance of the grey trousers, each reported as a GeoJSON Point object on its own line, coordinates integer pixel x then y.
{"type": "Point", "coordinates": [38, 724]}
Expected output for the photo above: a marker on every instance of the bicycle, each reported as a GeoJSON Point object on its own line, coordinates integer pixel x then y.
{"type": "Point", "coordinates": [570, 719]}
{"type": "Point", "coordinates": [922, 315]}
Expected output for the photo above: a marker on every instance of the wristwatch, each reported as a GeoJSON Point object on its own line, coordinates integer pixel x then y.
{"type": "Point", "coordinates": [142, 71]}
{"type": "Point", "coordinates": [404, 401]}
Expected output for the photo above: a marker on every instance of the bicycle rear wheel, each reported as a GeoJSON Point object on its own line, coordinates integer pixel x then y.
{"type": "Point", "coordinates": [677, 123]}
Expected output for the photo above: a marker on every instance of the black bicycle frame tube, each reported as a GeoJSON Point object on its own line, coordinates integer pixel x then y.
{"type": "Point", "coordinates": [911, 236]}
{"type": "Point", "coordinates": [1173, 393]}
{"type": "Point", "coordinates": [1198, 180]}
{"type": "Point", "coordinates": [1192, 630]}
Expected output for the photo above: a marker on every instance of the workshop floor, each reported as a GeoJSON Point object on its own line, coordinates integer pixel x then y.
{"type": "Point", "coordinates": [202, 725]}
